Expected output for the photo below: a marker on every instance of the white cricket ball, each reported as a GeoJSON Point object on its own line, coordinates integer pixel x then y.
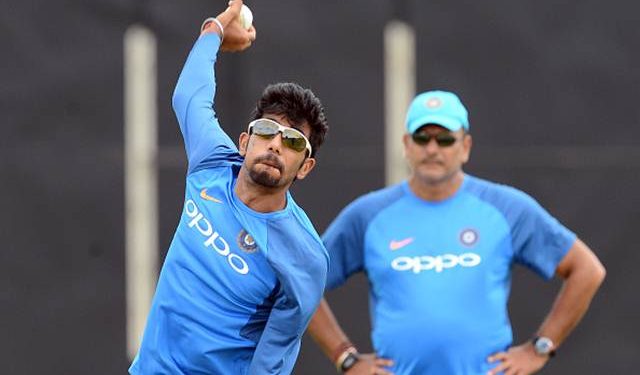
{"type": "Point", "coordinates": [246, 17]}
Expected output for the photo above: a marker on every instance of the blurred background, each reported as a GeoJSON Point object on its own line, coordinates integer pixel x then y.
{"type": "Point", "coordinates": [552, 88]}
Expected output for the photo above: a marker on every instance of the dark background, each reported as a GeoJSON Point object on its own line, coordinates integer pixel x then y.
{"type": "Point", "coordinates": [552, 89]}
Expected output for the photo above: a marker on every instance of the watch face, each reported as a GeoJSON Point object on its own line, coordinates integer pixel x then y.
{"type": "Point", "coordinates": [349, 362]}
{"type": "Point", "coordinates": [543, 345]}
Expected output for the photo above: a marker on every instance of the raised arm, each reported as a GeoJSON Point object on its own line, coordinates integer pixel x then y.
{"type": "Point", "coordinates": [193, 98]}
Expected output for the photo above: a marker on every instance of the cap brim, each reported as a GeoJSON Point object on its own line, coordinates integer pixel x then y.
{"type": "Point", "coordinates": [444, 121]}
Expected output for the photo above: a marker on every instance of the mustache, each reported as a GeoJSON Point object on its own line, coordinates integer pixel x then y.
{"type": "Point", "coordinates": [431, 160]}
{"type": "Point", "coordinates": [271, 160]}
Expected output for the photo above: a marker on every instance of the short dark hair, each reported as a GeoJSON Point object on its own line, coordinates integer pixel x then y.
{"type": "Point", "coordinates": [298, 105]}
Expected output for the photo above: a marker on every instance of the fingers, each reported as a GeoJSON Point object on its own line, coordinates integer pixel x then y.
{"type": "Point", "coordinates": [234, 7]}
{"type": "Point", "coordinates": [236, 37]}
{"type": "Point", "coordinates": [232, 12]}
{"type": "Point", "coordinates": [368, 369]}
{"type": "Point", "coordinates": [250, 37]}
{"type": "Point", "coordinates": [369, 364]}
{"type": "Point", "coordinates": [497, 357]}
{"type": "Point", "coordinates": [501, 356]}
{"type": "Point", "coordinates": [252, 33]}
{"type": "Point", "coordinates": [381, 371]}
{"type": "Point", "coordinates": [498, 369]}
{"type": "Point", "coordinates": [380, 364]}
{"type": "Point", "coordinates": [383, 362]}
{"type": "Point", "coordinates": [508, 365]}
{"type": "Point", "coordinates": [236, 40]}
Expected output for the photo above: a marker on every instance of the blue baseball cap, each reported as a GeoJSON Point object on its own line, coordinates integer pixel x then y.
{"type": "Point", "coordinates": [437, 107]}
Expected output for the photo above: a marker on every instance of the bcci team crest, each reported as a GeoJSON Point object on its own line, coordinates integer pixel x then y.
{"type": "Point", "coordinates": [246, 243]}
{"type": "Point", "coordinates": [469, 237]}
{"type": "Point", "coordinates": [433, 103]}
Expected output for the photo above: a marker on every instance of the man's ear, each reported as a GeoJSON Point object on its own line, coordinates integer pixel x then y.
{"type": "Point", "coordinates": [305, 168]}
{"type": "Point", "coordinates": [467, 142]}
{"type": "Point", "coordinates": [406, 141]}
{"type": "Point", "coordinates": [243, 143]}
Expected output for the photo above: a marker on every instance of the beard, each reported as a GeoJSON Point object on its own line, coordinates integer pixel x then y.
{"type": "Point", "coordinates": [262, 176]}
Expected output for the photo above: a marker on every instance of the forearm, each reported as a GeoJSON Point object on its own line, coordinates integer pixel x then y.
{"type": "Point", "coordinates": [279, 343]}
{"type": "Point", "coordinates": [196, 85]}
{"type": "Point", "coordinates": [581, 281]}
{"type": "Point", "coordinates": [582, 273]}
{"type": "Point", "coordinates": [193, 103]}
{"type": "Point", "coordinates": [326, 331]}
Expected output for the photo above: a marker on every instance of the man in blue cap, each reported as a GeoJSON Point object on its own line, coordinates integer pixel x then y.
{"type": "Point", "coordinates": [438, 250]}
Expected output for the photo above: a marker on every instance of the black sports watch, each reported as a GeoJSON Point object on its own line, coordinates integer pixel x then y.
{"type": "Point", "coordinates": [543, 346]}
{"type": "Point", "coordinates": [349, 361]}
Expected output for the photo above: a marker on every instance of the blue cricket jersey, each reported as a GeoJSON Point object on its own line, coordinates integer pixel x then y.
{"type": "Point", "coordinates": [439, 272]}
{"type": "Point", "coordinates": [238, 287]}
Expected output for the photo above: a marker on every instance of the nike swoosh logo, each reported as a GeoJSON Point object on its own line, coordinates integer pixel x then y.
{"type": "Point", "coordinates": [396, 245]}
{"type": "Point", "coordinates": [204, 195]}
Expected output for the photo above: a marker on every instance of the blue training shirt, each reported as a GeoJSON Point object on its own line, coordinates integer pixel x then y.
{"type": "Point", "coordinates": [439, 272]}
{"type": "Point", "coordinates": [238, 287]}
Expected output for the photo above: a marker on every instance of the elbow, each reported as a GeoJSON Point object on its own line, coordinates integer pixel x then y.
{"type": "Point", "coordinates": [588, 276]}
{"type": "Point", "coordinates": [594, 276]}
{"type": "Point", "coordinates": [589, 266]}
{"type": "Point", "coordinates": [180, 102]}
{"type": "Point", "coordinates": [599, 273]}
{"type": "Point", "coordinates": [178, 98]}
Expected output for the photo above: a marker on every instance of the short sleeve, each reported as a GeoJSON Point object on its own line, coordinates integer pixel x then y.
{"type": "Point", "coordinates": [539, 240]}
{"type": "Point", "coordinates": [344, 240]}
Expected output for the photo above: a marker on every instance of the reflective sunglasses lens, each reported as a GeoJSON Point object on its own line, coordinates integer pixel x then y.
{"type": "Point", "coordinates": [294, 140]}
{"type": "Point", "coordinates": [265, 129]}
{"type": "Point", "coordinates": [421, 138]}
{"type": "Point", "coordinates": [291, 138]}
{"type": "Point", "coordinates": [445, 140]}
{"type": "Point", "coordinates": [442, 139]}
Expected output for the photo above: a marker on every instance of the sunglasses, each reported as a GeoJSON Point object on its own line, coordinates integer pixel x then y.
{"type": "Point", "coordinates": [291, 138]}
{"type": "Point", "coordinates": [442, 139]}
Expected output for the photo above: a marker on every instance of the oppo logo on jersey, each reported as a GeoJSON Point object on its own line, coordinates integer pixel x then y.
{"type": "Point", "coordinates": [213, 238]}
{"type": "Point", "coordinates": [436, 263]}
